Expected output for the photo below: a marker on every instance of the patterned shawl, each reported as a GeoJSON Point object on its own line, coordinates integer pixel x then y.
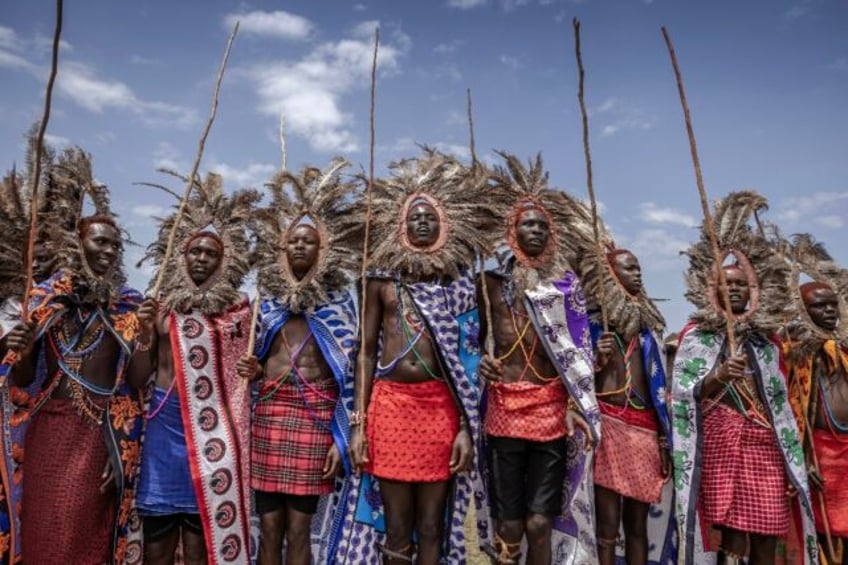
{"type": "Point", "coordinates": [697, 355]}
{"type": "Point", "coordinates": [51, 301]}
{"type": "Point", "coordinates": [450, 315]}
{"type": "Point", "coordinates": [334, 326]}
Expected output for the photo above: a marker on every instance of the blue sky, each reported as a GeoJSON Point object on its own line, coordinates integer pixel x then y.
{"type": "Point", "coordinates": [767, 82]}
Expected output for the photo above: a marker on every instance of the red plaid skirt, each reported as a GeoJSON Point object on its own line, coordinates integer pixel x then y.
{"type": "Point", "coordinates": [627, 460]}
{"type": "Point", "coordinates": [291, 437]}
{"type": "Point", "coordinates": [65, 518]}
{"type": "Point", "coordinates": [743, 483]}
{"type": "Point", "coordinates": [525, 410]}
{"type": "Point", "coordinates": [411, 430]}
{"type": "Point", "coordinates": [832, 453]}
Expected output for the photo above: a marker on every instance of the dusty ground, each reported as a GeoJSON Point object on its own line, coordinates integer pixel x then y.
{"type": "Point", "coordinates": [475, 556]}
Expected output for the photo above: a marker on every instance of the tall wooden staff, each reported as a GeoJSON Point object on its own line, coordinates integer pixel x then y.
{"type": "Point", "coordinates": [39, 148]}
{"type": "Point", "coordinates": [487, 305]}
{"type": "Point", "coordinates": [595, 229]}
{"type": "Point", "coordinates": [363, 302]}
{"type": "Point", "coordinates": [190, 183]}
{"type": "Point", "coordinates": [705, 207]}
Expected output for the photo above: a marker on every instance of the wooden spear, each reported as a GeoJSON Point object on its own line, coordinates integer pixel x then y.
{"type": "Point", "coordinates": [358, 385]}
{"type": "Point", "coordinates": [489, 343]}
{"type": "Point", "coordinates": [588, 156]}
{"type": "Point", "coordinates": [190, 183]}
{"type": "Point", "coordinates": [705, 207]}
{"type": "Point", "coordinates": [39, 149]}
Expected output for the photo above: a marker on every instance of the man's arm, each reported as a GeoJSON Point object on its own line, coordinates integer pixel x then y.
{"type": "Point", "coordinates": [144, 360]}
{"type": "Point", "coordinates": [366, 364]}
{"type": "Point", "coordinates": [21, 340]}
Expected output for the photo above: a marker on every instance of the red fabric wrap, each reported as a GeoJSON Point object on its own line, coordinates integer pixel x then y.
{"type": "Point", "coordinates": [289, 446]}
{"type": "Point", "coordinates": [743, 484]}
{"type": "Point", "coordinates": [411, 430]}
{"type": "Point", "coordinates": [627, 460]}
{"type": "Point", "coordinates": [525, 410]}
{"type": "Point", "coordinates": [832, 452]}
{"type": "Point", "coordinates": [65, 518]}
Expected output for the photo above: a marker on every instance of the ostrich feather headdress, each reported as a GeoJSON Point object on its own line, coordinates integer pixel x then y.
{"type": "Point", "coordinates": [323, 200]}
{"type": "Point", "coordinates": [809, 257]}
{"type": "Point", "coordinates": [627, 313]}
{"type": "Point", "coordinates": [518, 188]}
{"type": "Point", "coordinates": [14, 217]}
{"type": "Point", "coordinates": [459, 196]}
{"type": "Point", "coordinates": [758, 258]}
{"type": "Point", "coordinates": [209, 211]}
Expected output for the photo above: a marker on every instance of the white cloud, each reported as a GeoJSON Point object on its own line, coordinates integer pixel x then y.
{"type": "Point", "coordinates": [462, 152]}
{"type": "Point", "coordinates": [609, 130]}
{"type": "Point", "coordinates": [657, 249]}
{"type": "Point", "coordinates": [308, 90]}
{"type": "Point", "coordinates": [166, 156]}
{"type": "Point", "coordinates": [448, 48]}
{"type": "Point", "coordinates": [149, 211]}
{"type": "Point", "coordinates": [365, 30]}
{"type": "Point", "coordinates": [806, 210]}
{"type": "Point", "coordinates": [833, 222]}
{"type": "Point", "coordinates": [255, 175]}
{"type": "Point", "coordinates": [278, 24]}
{"type": "Point", "coordinates": [654, 214]}
{"type": "Point", "coordinates": [606, 105]}
{"type": "Point", "coordinates": [510, 62]}
{"type": "Point", "coordinates": [510, 5]}
{"type": "Point", "coordinates": [359, 7]}
{"type": "Point", "coordinates": [12, 61]}
{"type": "Point", "coordinates": [797, 11]}
{"type": "Point", "coordinates": [56, 140]}
{"type": "Point", "coordinates": [8, 38]}
{"type": "Point", "coordinates": [466, 4]}
{"type": "Point", "coordinates": [139, 60]}
{"type": "Point", "coordinates": [621, 117]}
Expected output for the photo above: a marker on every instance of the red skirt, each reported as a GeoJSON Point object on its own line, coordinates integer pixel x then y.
{"type": "Point", "coordinates": [411, 430]}
{"type": "Point", "coordinates": [627, 460]}
{"type": "Point", "coordinates": [525, 410]}
{"type": "Point", "coordinates": [291, 437]}
{"type": "Point", "coordinates": [65, 518]}
{"type": "Point", "coordinates": [743, 484]}
{"type": "Point", "coordinates": [832, 453]}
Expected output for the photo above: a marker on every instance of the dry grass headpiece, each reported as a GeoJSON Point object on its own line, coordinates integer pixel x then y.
{"type": "Point", "coordinates": [209, 212]}
{"type": "Point", "coordinates": [461, 199]}
{"type": "Point", "coordinates": [322, 200]}
{"type": "Point", "coordinates": [518, 189]}
{"type": "Point", "coordinates": [14, 217]}
{"type": "Point", "coordinates": [69, 180]}
{"type": "Point", "coordinates": [752, 252]}
{"type": "Point", "coordinates": [627, 313]}
{"type": "Point", "coordinates": [809, 257]}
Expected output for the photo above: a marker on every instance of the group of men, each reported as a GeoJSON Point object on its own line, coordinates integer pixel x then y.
{"type": "Point", "coordinates": [361, 429]}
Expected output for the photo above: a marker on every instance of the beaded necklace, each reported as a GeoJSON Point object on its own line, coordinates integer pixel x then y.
{"type": "Point", "coordinates": [519, 342]}
{"type": "Point", "coordinates": [287, 372]}
{"type": "Point", "coordinates": [836, 428]}
{"type": "Point", "coordinates": [637, 403]}
{"type": "Point", "coordinates": [405, 321]}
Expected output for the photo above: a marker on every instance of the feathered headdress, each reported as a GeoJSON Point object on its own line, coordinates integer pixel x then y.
{"type": "Point", "coordinates": [627, 313]}
{"type": "Point", "coordinates": [327, 203]}
{"type": "Point", "coordinates": [208, 210]}
{"type": "Point", "coordinates": [517, 188]}
{"type": "Point", "coordinates": [757, 257]}
{"type": "Point", "coordinates": [460, 197]}
{"type": "Point", "coordinates": [69, 180]}
{"type": "Point", "coordinates": [809, 257]}
{"type": "Point", "coordinates": [14, 217]}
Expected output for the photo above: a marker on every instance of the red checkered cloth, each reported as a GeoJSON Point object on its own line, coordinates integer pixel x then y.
{"type": "Point", "coordinates": [743, 483]}
{"type": "Point", "coordinates": [411, 430]}
{"type": "Point", "coordinates": [627, 460]}
{"type": "Point", "coordinates": [65, 519]}
{"type": "Point", "coordinates": [291, 438]}
{"type": "Point", "coordinates": [525, 410]}
{"type": "Point", "coordinates": [832, 453]}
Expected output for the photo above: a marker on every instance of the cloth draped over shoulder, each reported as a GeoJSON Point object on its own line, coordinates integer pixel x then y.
{"type": "Point", "coordinates": [450, 316]}
{"type": "Point", "coordinates": [51, 301]}
{"type": "Point", "coordinates": [557, 310]}
{"type": "Point", "coordinates": [215, 407]}
{"type": "Point", "coordinates": [697, 355]}
{"type": "Point", "coordinates": [334, 327]}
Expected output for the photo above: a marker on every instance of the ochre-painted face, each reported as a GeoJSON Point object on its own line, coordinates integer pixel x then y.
{"type": "Point", "coordinates": [737, 289]}
{"type": "Point", "coordinates": [101, 244]}
{"type": "Point", "coordinates": [532, 232]}
{"type": "Point", "coordinates": [422, 225]}
{"type": "Point", "coordinates": [302, 249]}
{"type": "Point", "coordinates": [628, 271]}
{"type": "Point", "coordinates": [42, 263]}
{"type": "Point", "coordinates": [822, 306]}
{"type": "Point", "coordinates": [203, 257]}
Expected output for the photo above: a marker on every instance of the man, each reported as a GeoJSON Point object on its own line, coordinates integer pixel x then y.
{"type": "Point", "coordinates": [539, 394]}
{"type": "Point", "coordinates": [632, 462]}
{"type": "Point", "coordinates": [737, 453]}
{"type": "Point", "coordinates": [817, 357]}
{"type": "Point", "coordinates": [194, 465]}
{"type": "Point", "coordinates": [78, 420]}
{"type": "Point", "coordinates": [417, 438]}
{"type": "Point", "coordinates": [306, 344]}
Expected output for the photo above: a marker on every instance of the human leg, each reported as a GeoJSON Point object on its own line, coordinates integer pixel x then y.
{"type": "Point", "coordinates": [762, 549]}
{"type": "Point", "coordinates": [733, 542]}
{"type": "Point", "coordinates": [272, 524]}
{"type": "Point", "coordinates": [545, 473]}
{"type": "Point", "coordinates": [194, 544]}
{"type": "Point", "coordinates": [608, 517]}
{"type": "Point", "coordinates": [299, 511]}
{"type": "Point", "coordinates": [636, 531]}
{"type": "Point", "coordinates": [507, 471]}
{"type": "Point", "coordinates": [161, 536]}
{"type": "Point", "coordinates": [399, 508]}
{"type": "Point", "coordinates": [430, 500]}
